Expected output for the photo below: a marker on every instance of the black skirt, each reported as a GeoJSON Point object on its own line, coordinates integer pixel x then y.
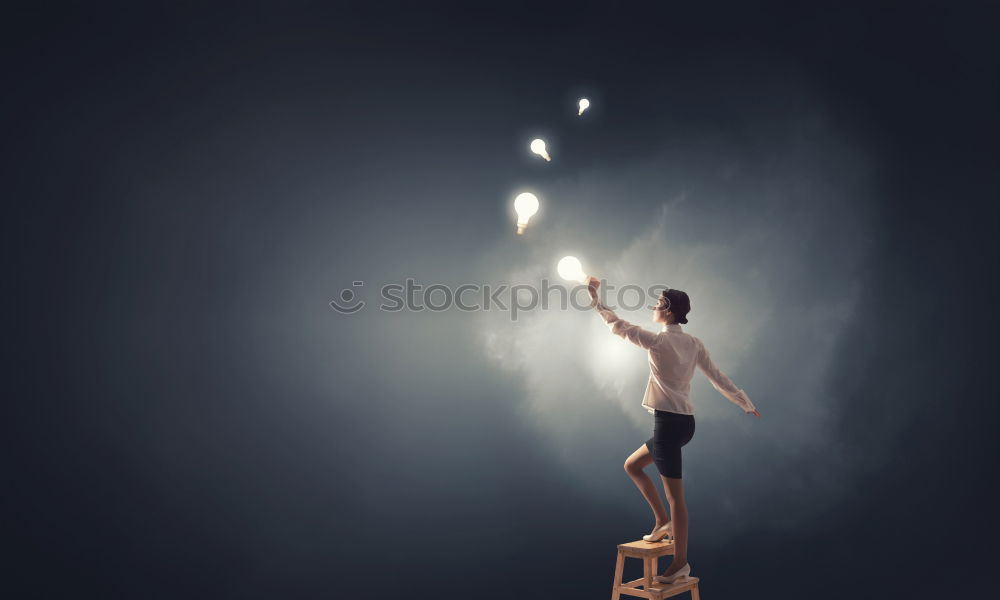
{"type": "Point", "coordinates": [670, 432]}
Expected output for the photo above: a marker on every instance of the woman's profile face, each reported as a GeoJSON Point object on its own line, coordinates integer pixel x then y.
{"type": "Point", "coordinates": [660, 312]}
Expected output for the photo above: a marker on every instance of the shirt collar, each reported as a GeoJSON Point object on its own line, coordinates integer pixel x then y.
{"type": "Point", "coordinates": [673, 327]}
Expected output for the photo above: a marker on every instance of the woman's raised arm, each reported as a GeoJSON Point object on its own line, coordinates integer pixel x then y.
{"type": "Point", "coordinates": [620, 327]}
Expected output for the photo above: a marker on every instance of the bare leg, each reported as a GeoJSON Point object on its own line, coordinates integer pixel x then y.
{"type": "Point", "coordinates": [674, 489]}
{"type": "Point", "coordinates": [634, 466]}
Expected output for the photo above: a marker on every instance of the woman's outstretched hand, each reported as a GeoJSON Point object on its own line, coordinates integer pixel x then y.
{"type": "Point", "coordinates": [754, 412]}
{"type": "Point", "coordinates": [592, 284]}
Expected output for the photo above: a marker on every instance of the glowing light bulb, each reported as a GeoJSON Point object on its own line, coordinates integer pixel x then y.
{"type": "Point", "coordinates": [525, 205]}
{"type": "Point", "coordinates": [584, 105]}
{"type": "Point", "coordinates": [569, 267]}
{"type": "Point", "coordinates": [538, 147]}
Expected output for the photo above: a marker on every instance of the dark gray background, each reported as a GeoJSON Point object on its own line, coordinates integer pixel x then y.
{"type": "Point", "coordinates": [189, 185]}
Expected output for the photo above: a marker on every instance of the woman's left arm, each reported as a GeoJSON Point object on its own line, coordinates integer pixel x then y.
{"type": "Point", "coordinates": [721, 382]}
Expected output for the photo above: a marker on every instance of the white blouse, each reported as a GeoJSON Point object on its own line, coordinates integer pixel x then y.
{"type": "Point", "coordinates": [673, 355]}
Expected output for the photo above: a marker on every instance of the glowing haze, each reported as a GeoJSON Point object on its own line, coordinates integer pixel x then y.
{"type": "Point", "coordinates": [745, 236]}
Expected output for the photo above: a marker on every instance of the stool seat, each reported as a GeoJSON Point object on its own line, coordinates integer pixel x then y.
{"type": "Point", "coordinates": [645, 586]}
{"type": "Point", "coordinates": [642, 548]}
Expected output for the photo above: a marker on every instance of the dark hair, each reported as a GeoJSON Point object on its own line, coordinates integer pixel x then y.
{"type": "Point", "coordinates": [678, 303]}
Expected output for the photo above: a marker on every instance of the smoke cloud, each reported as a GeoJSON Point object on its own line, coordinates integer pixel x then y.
{"type": "Point", "coordinates": [754, 238]}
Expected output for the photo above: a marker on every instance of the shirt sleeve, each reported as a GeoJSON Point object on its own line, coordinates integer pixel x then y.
{"type": "Point", "coordinates": [620, 327]}
{"type": "Point", "coordinates": [722, 383]}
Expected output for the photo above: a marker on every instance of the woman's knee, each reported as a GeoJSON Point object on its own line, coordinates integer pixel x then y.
{"type": "Point", "coordinates": [676, 502]}
{"type": "Point", "coordinates": [633, 466]}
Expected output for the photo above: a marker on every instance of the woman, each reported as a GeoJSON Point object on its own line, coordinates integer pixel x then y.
{"type": "Point", "coordinates": [673, 356]}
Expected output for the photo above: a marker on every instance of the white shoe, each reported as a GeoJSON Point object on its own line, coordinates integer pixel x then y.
{"type": "Point", "coordinates": [682, 574]}
{"type": "Point", "coordinates": [661, 534]}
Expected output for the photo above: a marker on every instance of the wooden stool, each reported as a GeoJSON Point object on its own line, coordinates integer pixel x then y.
{"type": "Point", "coordinates": [649, 552]}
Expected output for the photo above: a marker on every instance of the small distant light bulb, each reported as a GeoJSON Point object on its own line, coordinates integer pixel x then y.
{"type": "Point", "coordinates": [569, 268]}
{"type": "Point", "coordinates": [525, 205]}
{"type": "Point", "coordinates": [538, 147]}
{"type": "Point", "coordinates": [584, 105]}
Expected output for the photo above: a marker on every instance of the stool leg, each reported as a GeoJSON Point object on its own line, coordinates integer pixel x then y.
{"type": "Point", "coordinates": [619, 565]}
{"type": "Point", "coordinates": [694, 593]}
{"type": "Point", "coordinates": [647, 568]}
